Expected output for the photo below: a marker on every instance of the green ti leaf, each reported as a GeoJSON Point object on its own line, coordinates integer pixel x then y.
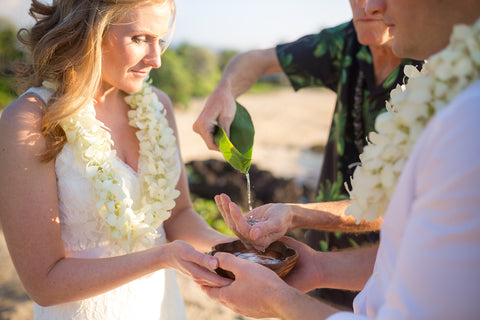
{"type": "Point", "coordinates": [238, 149]}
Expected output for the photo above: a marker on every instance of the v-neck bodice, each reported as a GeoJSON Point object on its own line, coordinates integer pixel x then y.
{"type": "Point", "coordinates": [84, 235]}
{"type": "Point", "coordinates": [79, 219]}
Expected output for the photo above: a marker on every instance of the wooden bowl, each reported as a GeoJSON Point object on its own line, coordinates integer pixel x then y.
{"type": "Point", "coordinates": [277, 256]}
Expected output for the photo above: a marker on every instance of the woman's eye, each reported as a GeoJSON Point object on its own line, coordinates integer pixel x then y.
{"type": "Point", "coordinates": [139, 39]}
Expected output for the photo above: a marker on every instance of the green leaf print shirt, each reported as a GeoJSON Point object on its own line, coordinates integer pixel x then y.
{"type": "Point", "coordinates": [334, 58]}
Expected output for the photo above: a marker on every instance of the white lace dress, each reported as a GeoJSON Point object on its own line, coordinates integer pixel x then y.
{"type": "Point", "coordinates": [155, 296]}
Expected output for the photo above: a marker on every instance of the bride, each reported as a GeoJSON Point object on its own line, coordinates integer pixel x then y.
{"type": "Point", "coordinates": [96, 212]}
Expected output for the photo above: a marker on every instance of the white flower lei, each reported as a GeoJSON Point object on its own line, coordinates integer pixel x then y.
{"type": "Point", "coordinates": [92, 145]}
{"type": "Point", "coordinates": [411, 107]}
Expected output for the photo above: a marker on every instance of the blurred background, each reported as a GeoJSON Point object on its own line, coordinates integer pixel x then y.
{"type": "Point", "coordinates": [291, 128]}
{"type": "Point", "coordinates": [207, 34]}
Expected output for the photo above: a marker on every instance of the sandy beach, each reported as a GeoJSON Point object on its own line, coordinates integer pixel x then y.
{"type": "Point", "coordinates": [287, 125]}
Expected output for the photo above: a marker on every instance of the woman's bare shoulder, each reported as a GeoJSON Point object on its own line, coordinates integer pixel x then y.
{"type": "Point", "coordinates": [23, 113]}
{"type": "Point", "coordinates": [21, 126]}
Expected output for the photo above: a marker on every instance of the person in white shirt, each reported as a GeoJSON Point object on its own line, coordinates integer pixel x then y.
{"type": "Point", "coordinates": [427, 265]}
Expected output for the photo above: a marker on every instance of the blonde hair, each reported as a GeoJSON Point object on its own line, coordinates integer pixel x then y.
{"type": "Point", "coordinates": [66, 48]}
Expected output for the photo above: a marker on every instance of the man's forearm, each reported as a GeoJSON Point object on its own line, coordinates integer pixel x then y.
{"type": "Point", "coordinates": [348, 269]}
{"type": "Point", "coordinates": [329, 216]}
{"type": "Point", "coordinates": [293, 304]}
{"type": "Point", "coordinates": [244, 70]}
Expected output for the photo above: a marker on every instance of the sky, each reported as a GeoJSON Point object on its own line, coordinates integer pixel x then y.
{"type": "Point", "coordinates": [233, 24]}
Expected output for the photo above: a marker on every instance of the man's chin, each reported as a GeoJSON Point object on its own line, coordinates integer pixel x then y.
{"type": "Point", "coordinates": [374, 39]}
{"type": "Point", "coordinates": [409, 52]}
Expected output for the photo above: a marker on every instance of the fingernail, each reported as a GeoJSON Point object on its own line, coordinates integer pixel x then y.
{"type": "Point", "coordinates": [212, 263]}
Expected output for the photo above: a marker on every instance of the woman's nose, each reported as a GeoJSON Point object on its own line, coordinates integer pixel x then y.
{"type": "Point", "coordinates": [153, 57]}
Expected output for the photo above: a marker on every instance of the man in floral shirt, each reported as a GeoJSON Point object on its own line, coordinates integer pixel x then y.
{"type": "Point", "coordinates": [354, 60]}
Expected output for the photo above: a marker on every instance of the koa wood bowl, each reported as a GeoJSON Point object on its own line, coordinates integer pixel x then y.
{"type": "Point", "coordinates": [277, 256]}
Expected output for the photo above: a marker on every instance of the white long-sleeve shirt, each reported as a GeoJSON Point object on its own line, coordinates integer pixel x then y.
{"type": "Point", "coordinates": [428, 262]}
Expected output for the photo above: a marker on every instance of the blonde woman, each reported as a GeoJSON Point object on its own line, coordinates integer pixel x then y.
{"type": "Point", "coordinates": [95, 202]}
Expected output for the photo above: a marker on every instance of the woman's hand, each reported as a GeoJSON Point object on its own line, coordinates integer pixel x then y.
{"type": "Point", "coordinates": [260, 227]}
{"type": "Point", "coordinates": [198, 266]}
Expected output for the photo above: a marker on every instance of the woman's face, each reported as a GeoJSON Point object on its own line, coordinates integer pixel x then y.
{"type": "Point", "coordinates": [370, 28]}
{"type": "Point", "coordinates": [132, 47]}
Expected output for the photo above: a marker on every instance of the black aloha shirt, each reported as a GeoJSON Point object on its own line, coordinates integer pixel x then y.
{"type": "Point", "coordinates": [333, 59]}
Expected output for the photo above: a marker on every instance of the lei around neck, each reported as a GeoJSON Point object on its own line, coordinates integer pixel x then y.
{"type": "Point", "coordinates": [158, 168]}
{"type": "Point", "coordinates": [410, 108]}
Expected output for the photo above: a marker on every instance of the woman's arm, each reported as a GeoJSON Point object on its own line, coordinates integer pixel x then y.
{"type": "Point", "coordinates": [188, 225]}
{"type": "Point", "coordinates": [30, 220]}
{"type": "Point", "coordinates": [184, 223]}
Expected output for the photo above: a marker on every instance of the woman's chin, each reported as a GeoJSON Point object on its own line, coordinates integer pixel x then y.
{"type": "Point", "coordinates": [133, 87]}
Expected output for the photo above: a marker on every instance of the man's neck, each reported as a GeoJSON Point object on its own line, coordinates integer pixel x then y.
{"type": "Point", "coordinates": [384, 62]}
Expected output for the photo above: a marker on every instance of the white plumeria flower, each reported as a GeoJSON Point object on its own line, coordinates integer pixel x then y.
{"type": "Point", "coordinates": [92, 146]}
{"type": "Point", "coordinates": [410, 108]}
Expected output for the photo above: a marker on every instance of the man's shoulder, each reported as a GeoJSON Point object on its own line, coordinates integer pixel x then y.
{"type": "Point", "coordinates": [345, 27]}
{"type": "Point", "coordinates": [345, 30]}
{"type": "Point", "coordinates": [340, 38]}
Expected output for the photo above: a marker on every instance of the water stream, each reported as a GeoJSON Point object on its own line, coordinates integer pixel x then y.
{"type": "Point", "coordinates": [250, 219]}
{"type": "Point", "coordinates": [249, 191]}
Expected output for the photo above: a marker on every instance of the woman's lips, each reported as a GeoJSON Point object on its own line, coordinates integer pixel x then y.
{"type": "Point", "coordinates": [141, 73]}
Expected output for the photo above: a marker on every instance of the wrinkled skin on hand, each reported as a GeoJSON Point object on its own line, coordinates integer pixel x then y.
{"type": "Point", "coordinates": [219, 110]}
{"type": "Point", "coordinates": [270, 222]}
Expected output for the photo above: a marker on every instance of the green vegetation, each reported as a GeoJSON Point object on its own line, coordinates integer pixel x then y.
{"type": "Point", "coordinates": [9, 52]}
{"type": "Point", "coordinates": [209, 212]}
{"type": "Point", "coordinates": [187, 71]}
